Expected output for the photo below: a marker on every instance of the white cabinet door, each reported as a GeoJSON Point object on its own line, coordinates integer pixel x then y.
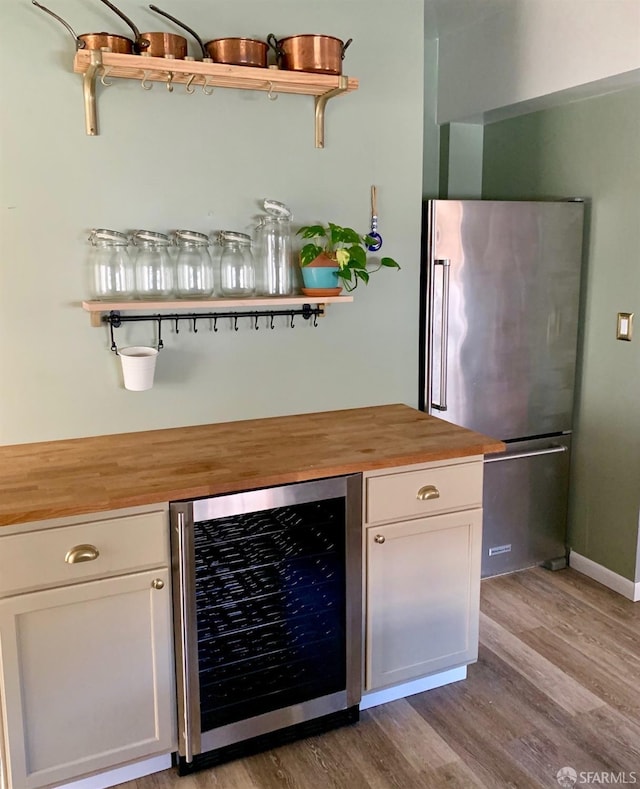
{"type": "Point", "coordinates": [423, 593]}
{"type": "Point", "coordinates": [87, 675]}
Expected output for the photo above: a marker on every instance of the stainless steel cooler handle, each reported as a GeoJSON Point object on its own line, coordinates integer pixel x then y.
{"type": "Point", "coordinates": [534, 453]}
{"type": "Point", "coordinates": [444, 334]}
{"type": "Point", "coordinates": [184, 639]}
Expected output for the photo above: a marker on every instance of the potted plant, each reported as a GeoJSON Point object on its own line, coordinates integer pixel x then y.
{"type": "Point", "coordinates": [335, 257]}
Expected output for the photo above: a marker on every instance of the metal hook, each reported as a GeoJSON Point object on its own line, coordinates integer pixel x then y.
{"type": "Point", "coordinates": [271, 325]}
{"type": "Point", "coordinates": [104, 75]}
{"type": "Point", "coordinates": [235, 323]}
{"type": "Point", "coordinates": [215, 324]}
{"type": "Point", "coordinates": [145, 78]}
{"type": "Point", "coordinates": [195, 328]}
{"type": "Point", "coordinates": [315, 319]}
{"type": "Point", "coordinates": [271, 95]}
{"type": "Point", "coordinates": [160, 342]}
{"type": "Point", "coordinates": [292, 320]}
{"type": "Point", "coordinates": [114, 347]}
{"type": "Point", "coordinates": [206, 85]}
{"type": "Point", "coordinates": [256, 327]}
{"type": "Point", "coordinates": [170, 82]}
{"type": "Point", "coordinates": [177, 327]}
{"type": "Point", "coordinates": [188, 87]}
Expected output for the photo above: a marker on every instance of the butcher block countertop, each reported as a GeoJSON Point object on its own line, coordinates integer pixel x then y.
{"type": "Point", "coordinates": [84, 475]}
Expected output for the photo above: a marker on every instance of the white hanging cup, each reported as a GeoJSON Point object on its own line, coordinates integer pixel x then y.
{"type": "Point", "coordinates": [138, 367]}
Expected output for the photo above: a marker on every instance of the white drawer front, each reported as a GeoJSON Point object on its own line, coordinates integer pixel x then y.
{"type": "Point", "coordinates": [423, 492]}
{"type": "Point", "coordinates": [38, 559]}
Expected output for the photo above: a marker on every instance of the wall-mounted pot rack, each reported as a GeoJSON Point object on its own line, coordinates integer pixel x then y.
{"type": "Point", "coordinates": [115, 320]}
{"type": "Point", "coordinates": [96, 64]}
{"type": "Point", "coordinates": [111, 313]}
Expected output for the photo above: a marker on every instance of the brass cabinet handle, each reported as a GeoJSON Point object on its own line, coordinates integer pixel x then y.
{"type": "Point", "coordinates": [428, 492]}
{"type": "Point", "coordinates": [379, 538]}
{"type": "Point", "coordinates": [157, 583]}
{"type": "Point", "coordinates": [82, 553]}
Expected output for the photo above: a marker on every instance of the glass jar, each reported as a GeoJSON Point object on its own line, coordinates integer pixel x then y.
{"type": "Point", "coordinates": [154, 268]}
{"type": "Point", "coordinates": [194, 267]}
{"type": "Point", "coordinates": [273, 250]}
{"type": "Point", "coordinates": [109, 268]}
{"type": "Point", "coordinates": [237, 272]}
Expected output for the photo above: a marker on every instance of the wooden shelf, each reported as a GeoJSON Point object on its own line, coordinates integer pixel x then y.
{"type": "Point", "coordinates": [97, 308]}
{"type": "Point", "coordinates": [95, 64]}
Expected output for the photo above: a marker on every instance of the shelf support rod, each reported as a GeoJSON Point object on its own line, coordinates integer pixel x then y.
{"type": "Point", "coordinates": [321, 103]}
{"type": "Point", "coordinates": [89, 91]}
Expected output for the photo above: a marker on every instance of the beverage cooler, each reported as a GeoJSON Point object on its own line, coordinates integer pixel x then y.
{"type": "Point", "coordinates": [267, 610]}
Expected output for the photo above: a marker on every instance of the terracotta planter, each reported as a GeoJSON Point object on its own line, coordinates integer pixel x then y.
{"type": "Point", "coordinates": [320, 277]}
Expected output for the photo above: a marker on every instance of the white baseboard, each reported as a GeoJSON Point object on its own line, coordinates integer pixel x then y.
{"type": "Point", "coordinates": [376, 697]}
{"type": "Point", "coordinates": [122, 774]}
{"type": "Point", "coordinates": [618, 583]}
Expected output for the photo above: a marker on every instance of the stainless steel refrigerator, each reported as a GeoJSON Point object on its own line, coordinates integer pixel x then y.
{"type": "Point", "coordinates": [500, 286]}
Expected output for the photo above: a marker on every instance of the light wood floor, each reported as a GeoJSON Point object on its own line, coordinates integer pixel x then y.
{"type": "Point", "coordinates": [557, 684]}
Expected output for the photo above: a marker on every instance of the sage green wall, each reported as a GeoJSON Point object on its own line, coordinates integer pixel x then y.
{"type": "Point", "coordinates": [431, 143]}
{"type": "Point", "coordinates": [164, 161]}
{"type": "Point", "coordinates": [591, 149]}
{"type": "Point", "coordinates": [464, 169]}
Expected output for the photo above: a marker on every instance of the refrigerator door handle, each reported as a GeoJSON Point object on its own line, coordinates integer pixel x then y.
{"type": "Point", "coordinates": [444, 334]}
{"type": "Point", "coordinates": [517, 455]}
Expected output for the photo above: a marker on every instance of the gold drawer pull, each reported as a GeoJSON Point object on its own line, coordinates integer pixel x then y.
{"type": "Point", "coordinates": [379, 538]}
{"type": "Point", "coordinates": [82, 553]}
{"type": "Point", "coordinates": [428, 492]}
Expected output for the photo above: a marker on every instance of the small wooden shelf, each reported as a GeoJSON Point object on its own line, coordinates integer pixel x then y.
{"type": "Point", "coordinates": [97, 308]}
{"type": "Point", "coordinates": [95, 64]}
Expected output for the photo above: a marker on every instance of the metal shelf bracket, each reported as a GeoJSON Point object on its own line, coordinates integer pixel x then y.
{"type": "Point", "coordinates": [89, 91]}
{"type": "Point", "coordinates": [94, 64]}
{"type": "Point", "coordinates": [321, 103]}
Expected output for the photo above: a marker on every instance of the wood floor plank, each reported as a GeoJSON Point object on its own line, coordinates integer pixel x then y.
{"type": "Point", "coordinates": [606, 601]}
{"type": "Point", "coordinates": [480, 718]}
{"type": "Point", "coordinates": [557, 684]}
{"type": "Point", "coordinates": [543, 753]}
{"type": "Point", "coordinates": [487, 745]}
{"type": "Point", "coordinates": [312, 762]}
{"type": "Point", "coordinates": [478, 746]}
{"type": "Point", "coordinates": [614, 737]}
{"type": "Point", "coordinates": [377, 757]}
{"type": "Point", "coordinates": [540, 671]}
{"type": "Point", "coordinates": [422, 745]}
{"type": "Point", "coordinates": [569, 612]}
{"type": "Point", "coordinates": [429, 755]}
{"type": "Point", "coordinates": [615, 688]}
{"type": "Point", "coordinates": [233, 775]}
{"type": "Point", "coordinates": [499, 602]}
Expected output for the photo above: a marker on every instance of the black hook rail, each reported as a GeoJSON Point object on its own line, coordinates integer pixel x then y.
{"type": "Point", "coordinates": [115, 320]}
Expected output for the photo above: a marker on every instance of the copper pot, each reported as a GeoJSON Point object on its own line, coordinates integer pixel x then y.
{"type": "Point", "coordinates": [157, 45]}
{"type": "Point", "coordinates": [238, 51]}
{"type": "Point", "coordinates": [115, 43]}
{"type": "Point", "coordinates": [232, 51]}
{"type": "Point", "coordinates": [163, 45]}
{"type": "Point", "coordinates": [314, 53]}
